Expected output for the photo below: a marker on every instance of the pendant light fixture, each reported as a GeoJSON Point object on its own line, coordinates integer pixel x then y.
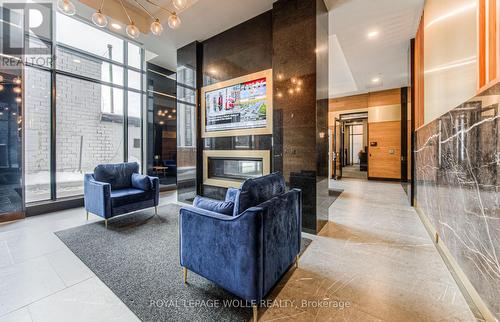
{"type": "Point", "coordinates": [174, 21]}
{"type": "Point", "coordinates": [98, 18]}
{"type": "Point", "coordinates": [131, 29]}
{"type": "Point", "coordinates": [66, 7]}
{"type": "Point", "coordinates": [156, 27]}
{"type": "Point", "coordinates": [179, 4]}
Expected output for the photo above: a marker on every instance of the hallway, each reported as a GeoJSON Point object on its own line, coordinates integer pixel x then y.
{"type": "Point", "coordinates": [373, 261]}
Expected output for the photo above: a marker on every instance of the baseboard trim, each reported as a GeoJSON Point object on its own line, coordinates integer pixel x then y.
{"type": "Point", "coordinates": [51, 206]}
{"type": "Point", "coordinates": [472, 297]}
{"type": "Point", "coordinates": [12, 216]}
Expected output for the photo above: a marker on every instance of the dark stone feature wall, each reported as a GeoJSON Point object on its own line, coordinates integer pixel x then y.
{"type": "Point", "coordinates": [300, 74]}
{"type": "Point", "coordinates": [292, 39]}
{"type": "Point", "coordinates": [458, 188]}
{"type": "Point", "coordinates": [241, 50]}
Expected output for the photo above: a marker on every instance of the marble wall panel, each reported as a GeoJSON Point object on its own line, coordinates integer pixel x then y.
{"type": "Point", "coordinates": [457, 188]}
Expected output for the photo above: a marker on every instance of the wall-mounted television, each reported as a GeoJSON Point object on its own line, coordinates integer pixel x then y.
{"type": "Point", "coordinates": [240, 106]}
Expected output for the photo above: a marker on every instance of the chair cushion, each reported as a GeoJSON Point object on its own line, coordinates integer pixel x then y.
{"type": "Point", "coordinates": [221, 207]}
{"type": "Point", "coordinates": [119, 175]}
{"type": "Point", "coordinates": [122, 197]}
{"type": "Point", "coordinates": [255, 191]}
{"type": "Point", "coordinates": [140, 181]}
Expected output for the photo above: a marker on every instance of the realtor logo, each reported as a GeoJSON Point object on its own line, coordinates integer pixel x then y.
{"type": "Point", "coordinates": [25, 34]}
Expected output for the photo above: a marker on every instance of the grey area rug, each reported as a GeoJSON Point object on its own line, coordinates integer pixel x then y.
{"type": "Point", "coordinates": [137, 257]}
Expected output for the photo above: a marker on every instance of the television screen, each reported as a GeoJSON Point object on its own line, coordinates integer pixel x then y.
{"type": "Point", "coordinates": [240, 106]}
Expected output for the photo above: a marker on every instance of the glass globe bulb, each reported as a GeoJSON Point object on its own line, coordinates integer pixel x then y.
{"type": "Point", "coordinates": [99, 19]}
{"type": "Point", "coordinates": [179, 4]}
{"type": "Point", "coordinates": [156, 27]}
{"type": "Point", "coordinates": [1, 78]}
{"type": "Point", "coordinates": [174, 21]}
{"type": "Point", "coordinates": [66, 7]}
{"type": "Point", "coordinates": [18, 99]}
{"type": "Point", "coordinates": [16, 90]}
{"type": "Point", "coordinates": [132, 31]}
{"type": "Point", "coordinates": [17, 80]}
{"type": "Point", "coordinates": [1, 87]}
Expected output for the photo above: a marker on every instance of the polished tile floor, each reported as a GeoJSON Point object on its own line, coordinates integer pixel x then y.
{"type": "Point", "coordinates": [373, 261]}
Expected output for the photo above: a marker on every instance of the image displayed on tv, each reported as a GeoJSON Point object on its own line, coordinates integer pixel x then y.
{"type": "Point", "coordinates": [240, 106]}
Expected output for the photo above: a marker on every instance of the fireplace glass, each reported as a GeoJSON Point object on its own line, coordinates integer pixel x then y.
{"type": "Point", "coordinates": [238, 169]}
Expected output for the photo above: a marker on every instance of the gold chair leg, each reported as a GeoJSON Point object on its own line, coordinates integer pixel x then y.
{"type": "Point", "coordinates": [156, 211]}
{"type": "Point", "coordinates": [297, 261]}
{"type": "Point", "coordinates": [87, 215]}
{"type": "Point", "coordinates": [185, 271]}
{"type": "Point", "coordinates": [106, 223]}
{"type": "Point", "coordinates": [255, 313]}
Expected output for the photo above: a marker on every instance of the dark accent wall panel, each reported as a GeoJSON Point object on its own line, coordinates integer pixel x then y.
{"type": "Point", "coordinates": [294, 60]}
{"type": "Point", "coordinates": [241, 50]}
{"type": "Point", "coordinates": [300, 72]}
{"type": "Point", "coordinates": [292, 39]}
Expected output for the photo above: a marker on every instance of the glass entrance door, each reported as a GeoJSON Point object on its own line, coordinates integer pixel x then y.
{"type": "Point", "coordinates": [338, 147]}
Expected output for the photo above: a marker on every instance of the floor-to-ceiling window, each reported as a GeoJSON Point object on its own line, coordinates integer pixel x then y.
{"type": "Point", "coordinates": [84, 110]}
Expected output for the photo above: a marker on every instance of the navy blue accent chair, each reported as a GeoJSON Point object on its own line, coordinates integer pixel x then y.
{"type": "Point", "coordinates": [116, 189]}
{"type": "Point", "coordinates": [246, 243]}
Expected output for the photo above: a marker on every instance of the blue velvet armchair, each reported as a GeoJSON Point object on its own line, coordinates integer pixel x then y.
{"type": "Point", "coordinates": [116, 189]}
{"type": "Point", "coordinates": [246, 243]}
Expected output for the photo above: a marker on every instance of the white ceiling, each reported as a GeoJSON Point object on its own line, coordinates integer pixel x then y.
{"type": "Point", "coordinates": [354, 59]}
{"type": "Point", "coordinates": [201, 20]}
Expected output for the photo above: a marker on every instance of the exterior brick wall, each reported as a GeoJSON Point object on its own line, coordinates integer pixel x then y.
{"type": "Point", "coordinates": [86, 133]}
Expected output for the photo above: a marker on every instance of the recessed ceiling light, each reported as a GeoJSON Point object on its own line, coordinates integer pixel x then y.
{"type": "Point", "coordinates": [116, 26]}
{"type": "Point", "coordinates": [77, 61]}
{"type": "Point", "coordinates": [372, 34]}
{"type": "Point", "coordinates": [376, 80]}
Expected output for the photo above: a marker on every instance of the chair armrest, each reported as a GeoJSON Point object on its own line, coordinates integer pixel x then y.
{"type": "Point", "coordinates": [97, 196]}
{"type": "Point", "coordinates": [221, 207]}
{"type": "Point", "coordinates": [155, 186]}
{"type": "Point", "coordinates": [226, 250]}
{"type": "Point", "coordinates": [142, 182]}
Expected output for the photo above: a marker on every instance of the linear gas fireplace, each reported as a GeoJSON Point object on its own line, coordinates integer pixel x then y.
{"type": "Point", "coordinates": [230, 168]}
